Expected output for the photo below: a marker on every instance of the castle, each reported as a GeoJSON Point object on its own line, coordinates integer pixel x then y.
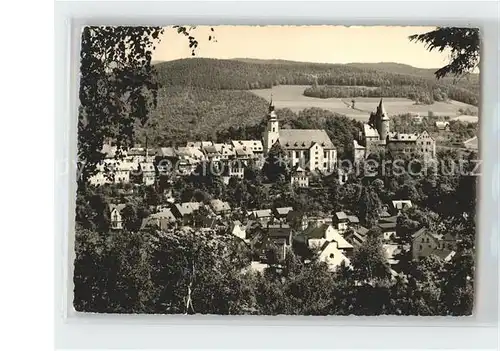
{"type": "Point", "coordinates": [377, 134]}
{"type": "Point", "coordinates": [306, 148]}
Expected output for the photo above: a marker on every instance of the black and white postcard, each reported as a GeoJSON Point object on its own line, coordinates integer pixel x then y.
{"type": "Point", "coordinates": [277, 170]}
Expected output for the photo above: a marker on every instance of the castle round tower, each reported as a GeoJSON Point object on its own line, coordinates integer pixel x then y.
{"type": "Point", "coordinates": [383, 123]}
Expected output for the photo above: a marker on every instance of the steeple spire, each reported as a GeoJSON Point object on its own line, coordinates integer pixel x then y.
{"type": "Point", "coordinates": [271, 105]}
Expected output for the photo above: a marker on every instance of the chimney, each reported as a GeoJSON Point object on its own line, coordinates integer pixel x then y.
{"type": "Point", "coordinates": [146, 160]}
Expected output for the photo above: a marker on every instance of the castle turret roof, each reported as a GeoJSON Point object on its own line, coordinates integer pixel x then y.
{"type": "Point", "coordinates": [381, 110]}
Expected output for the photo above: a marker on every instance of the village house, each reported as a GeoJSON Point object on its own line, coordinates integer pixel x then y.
{"type": "Point", "coordinates": [178, 159]}
{"type": "Point", "coordinates": [226, 151]}
{"type": "Point", "coordinates": [299, 177]}
{"type": "Point", "coordinates": [220, 207]}
{"type": "Point", "coordinates": [211, 153]}
{"type": "Point", "coordinates": [244, 155]}
{"type": "Point", "coordinates": [161, 220]}
{"type": "Point", "coordinates": [426, 243]}
{"type": "Point", "coordinates": [442, 125]}
{"type": "Point", "coordinates": [388, 227]}
{"type": "Point", "coordinates": [316, 220]}
{"type": "Point", "coordinates": [333, 256]}
{"type": "Point", "coordinates": [316, 235]}
{"type": "Point", "coordinates": [353, 221]}
{"type": "Point", "coordinates": [254, 145]}
{"type": "Point", "coordinates": [239, 230]}
{"type": "Point", "coordinates": [281, 213]}
{"type": "Point", "coordinates": [140, 154]}
{"type": "Point", "coordinates": [341, 221]}
{"type": "Point", "coordinates": [185, 211]}
{"type": "Point", "coordinates": [148, 173]}
{"type": "Point", "coordinates": [356, 236]}
{"type": "Point", "coordinates": [280, 236]}
{"type": "Point", "coordinates": [115, 215]}
{"type": "Point", "coordinates": [400, 205]}
{"type": "Point", "coordinates": [261, 215]}
{"type": "Point", "coordinates": [111, 171]}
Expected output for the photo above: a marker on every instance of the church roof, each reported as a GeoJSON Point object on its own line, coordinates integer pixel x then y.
{"type": "Point", "coordinates": [304, 138]}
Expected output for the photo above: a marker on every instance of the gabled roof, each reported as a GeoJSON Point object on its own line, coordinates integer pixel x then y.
{"type": "Point", "coordinates": [166, 152]}
{"type": "Point", "coordinates": [361, 230]}
{"type": "Point", "coordinates": [424, 135]}
{"type": "Point", "coordinates": [254, 145]}
{"type": "Point", "coordinates": [262, 213]}
{"type": "Point", "coordinates": [442, 124]}
{"type": "Point", "coordinates": [444, 254]}
{"type": "Point", "coordinates": [237, 223]}
{"type": "Point", "coordinates": [219, 205]}
{"type": "Point", "coordinates": [341, 215]}
{"type": "Point", "coordinates": [419, 232]}
{"type": "Point", "coordinates": [357, 146]}
{"type": "Point", "coordinates": [210, 149]}
{"type": "Point", "coordinates": [353, 219]}
{"type": "Point", "coordinates": [400, 204]}
{"type": "Point", "coordinates": [337, 258]}
{"type": "Point", "coordinates": [304, 138]}
{"type": "Point", "coordinates": [243, 151]}
{"type": "Point", "coordinates": [164, 214]}
{"type": "Point", "coordinates": [358, 239]}
{"type": "Point", "coordinates": [284, 210]}
{"type": "Point", "coordinates": [186, 208]}
{"type": "Point", "coordinates": [387, 226]}
{"type": "Point", "coordinates": [341, 242]}
{"type": "Point", "coordinates": [391, 219]}
{"type": "Point", "coordinates": [384, 213]}
{"type": "Point", "coordinates": [224, 149]}
{"type": "Point", "coordinates": [119, 207]}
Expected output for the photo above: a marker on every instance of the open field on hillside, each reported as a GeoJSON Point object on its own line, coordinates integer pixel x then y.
{"type": "Point", "coordinates": [291, 96]}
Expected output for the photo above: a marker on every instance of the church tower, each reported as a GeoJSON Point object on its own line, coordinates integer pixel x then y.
{"type": "Point", "coordinates": [271, 133]}
{"type": "Point", "coordinates": [382, 123]}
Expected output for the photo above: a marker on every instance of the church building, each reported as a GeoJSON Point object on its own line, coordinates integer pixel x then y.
{"type": "Point", "coordinates": [309, 149]}
{"type": "Point", "coordinates": [377, 134]}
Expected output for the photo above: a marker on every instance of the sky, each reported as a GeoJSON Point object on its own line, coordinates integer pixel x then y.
{"type": "Point", "coordinates": [324, 44]}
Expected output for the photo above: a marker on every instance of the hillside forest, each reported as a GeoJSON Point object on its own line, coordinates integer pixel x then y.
{"type": "Point", "coordinates": [211, 99]}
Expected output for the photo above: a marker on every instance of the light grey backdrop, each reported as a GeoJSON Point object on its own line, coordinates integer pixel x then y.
{"type": "Point", "coordinates": [75, 330]}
